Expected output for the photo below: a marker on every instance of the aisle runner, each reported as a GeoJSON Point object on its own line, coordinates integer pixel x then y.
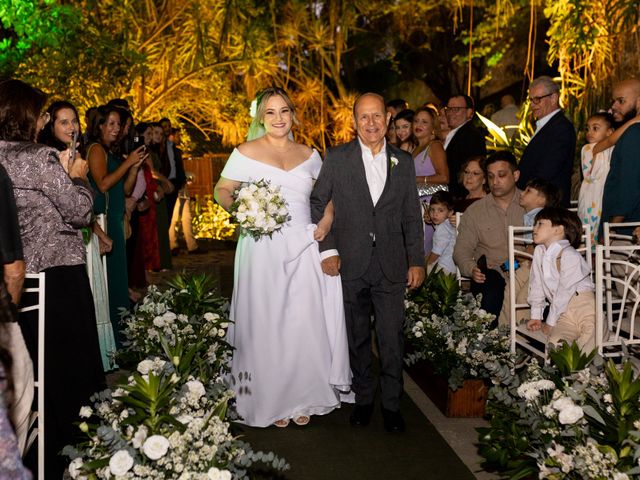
{"type": "Point", "coordinates": [329, 448]}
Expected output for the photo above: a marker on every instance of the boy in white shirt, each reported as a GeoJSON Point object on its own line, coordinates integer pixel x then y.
{"type": "Point", "coordinates": [560, 275]}
{"type": "Point", "coordinates": [444, 237]}
{"type": "Point", "coordinates": [537, 194]}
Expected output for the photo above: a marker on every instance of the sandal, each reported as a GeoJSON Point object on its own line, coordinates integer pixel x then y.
{"type": "Point", "coordinates": [302, 420]}
{"type": "Point", "coordinates": [282, 423]}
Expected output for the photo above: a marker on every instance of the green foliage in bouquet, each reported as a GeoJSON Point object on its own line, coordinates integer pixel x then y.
{"type": "Point", "coordinates": [576, 418]}
{"type": "Point", "coordinates": [451, 331]}
{"type": "Point", "coordinates": [170, 418]}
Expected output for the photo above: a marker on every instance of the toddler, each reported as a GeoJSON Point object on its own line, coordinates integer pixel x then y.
{"type": "Point", "coordinates": [595, 168]}
{"type": "Point", "coordinates": [444, 237]}
{"type": "Point", "coordinates": [561, 276]}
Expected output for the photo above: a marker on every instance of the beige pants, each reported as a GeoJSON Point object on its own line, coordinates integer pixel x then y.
{"type": "Point", "coordinates": [577, 323]}
{"type": "Point", "coordinates": [182, 213]}
{"type": "Point", "coordinates": [23, 384]}
{"type": "Point", "coordinates": [522, 292]}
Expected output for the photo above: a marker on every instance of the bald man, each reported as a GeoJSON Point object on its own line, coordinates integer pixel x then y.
{"type": "Point", "coordinates": [621, 201]}
{"type": "Point", "coordinates": [376, 245]}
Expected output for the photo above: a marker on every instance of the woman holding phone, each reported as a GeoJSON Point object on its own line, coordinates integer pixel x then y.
{"type": "Point", "coordinates": [62, 132]}
{"type": "Point", "coordinates": [113, 177]}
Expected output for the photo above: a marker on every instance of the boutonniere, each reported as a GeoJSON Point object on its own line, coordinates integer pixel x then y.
{"type": "Point", "coordinates": [393, 161]}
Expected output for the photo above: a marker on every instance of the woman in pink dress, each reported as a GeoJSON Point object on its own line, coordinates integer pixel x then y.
{"type": "Point", "coordinates": [430, 160]}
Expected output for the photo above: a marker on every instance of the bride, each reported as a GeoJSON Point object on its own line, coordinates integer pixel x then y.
{"type": "Point", "coordinates": [288, 331]}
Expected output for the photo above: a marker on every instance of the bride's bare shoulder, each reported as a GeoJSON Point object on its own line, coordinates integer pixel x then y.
{"type": "Point", "coordinates": [303, 150]}
{"type": "Point", "coordinates": [250, 148]}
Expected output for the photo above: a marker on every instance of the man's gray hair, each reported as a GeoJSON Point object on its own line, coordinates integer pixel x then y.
{"type": "Point", "coordinates": [547, 82]}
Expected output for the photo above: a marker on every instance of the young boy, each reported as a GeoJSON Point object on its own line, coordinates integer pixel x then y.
{"type": "Point", "coordinates": [560, 275]}
{"type": "Point", "coordinates": [444, 237]}
{"type": "Point", "coordinates": [537, 194]}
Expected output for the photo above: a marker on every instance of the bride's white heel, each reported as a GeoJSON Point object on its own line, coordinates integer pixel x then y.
{"type": "Point", "coordinates": [302, 420]}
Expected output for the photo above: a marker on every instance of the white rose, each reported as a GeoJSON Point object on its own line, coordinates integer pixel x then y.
{"type": "Point", "coordinates": [74, 468]}
{"type": "Point", "coordinates": [570, 415]}
{"type": "Point", "coordinates": [211, 316]}
{"type": "Point", "coordinates": [155, 447]}
{"type": "Point", "coordinates": [145, 366]}
{"type": "Point", "coordinates": [120, 463]}
{"type": "Point", "coordinates": [159, 322]}
{"type": "Point", "coordinates": [620, 476]}
{"type": "Point", "coordinates": [216, 474]}
{"type": "Point", "coordinates": [86, 412]}
{"type": "Point", "coordinates": [169, 316]}
{"type": "Point", "coordinates": [562, 403]}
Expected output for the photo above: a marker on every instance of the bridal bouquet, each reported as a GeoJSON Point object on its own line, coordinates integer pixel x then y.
{"type": "Point", "coordinates": [259, 209]}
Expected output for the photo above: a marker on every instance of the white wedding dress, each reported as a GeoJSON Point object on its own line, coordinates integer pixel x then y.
{"type": "Point", "coordinates": [291, 354]}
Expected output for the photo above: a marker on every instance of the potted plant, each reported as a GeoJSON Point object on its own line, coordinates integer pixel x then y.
{"type": "Point", "coordinates": [450, 331]}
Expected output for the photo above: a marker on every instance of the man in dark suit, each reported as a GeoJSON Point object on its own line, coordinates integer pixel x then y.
{"type": "Point", "coordinates": [550, 152]}
{"type": "Point", "coordinates": [376, 244]}
{"type": "Point", "coordinates": [463, 141]}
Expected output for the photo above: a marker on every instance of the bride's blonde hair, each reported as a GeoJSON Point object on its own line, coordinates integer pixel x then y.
{"type": "Point", "coordinates": [256, 129]}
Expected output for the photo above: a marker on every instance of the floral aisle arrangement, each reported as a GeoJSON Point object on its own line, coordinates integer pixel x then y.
{"type": "Point", "coordinates": [451, 331]}
{"type": "Point", "coordinates": [259, 209]}
{"type": "Point", "coordinates": [170, 418]}
{"type": "Point", "coordinates": [577, 418]}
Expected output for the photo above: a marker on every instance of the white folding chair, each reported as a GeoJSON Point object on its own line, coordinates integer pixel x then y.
{"type": "Point", "coordinates": [612, 236]}
{"type": "Point", "coordinates": [533, 342]}
{"type": "Point", "coordinates": [617, 312]}
{"type": "Point", "coordinates": [37, 429]}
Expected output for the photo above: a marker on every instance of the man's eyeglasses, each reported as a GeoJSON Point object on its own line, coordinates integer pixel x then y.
{"type": "Point", "coordinates": [537, 100]}
{"type": "Point", "coordinates": [454, 109]}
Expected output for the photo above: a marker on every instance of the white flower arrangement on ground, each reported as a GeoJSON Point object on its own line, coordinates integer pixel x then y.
{"type": "Point", "coordinates": [187, 317]}
{"type": "Point", "coordinates": [458, 342]}
{"type": "Point", "coordinates": [259, 209]}
{"type": "Point", "coordinates": [578, 418]}
{"type": "Point", "coordinates": [170, 418]}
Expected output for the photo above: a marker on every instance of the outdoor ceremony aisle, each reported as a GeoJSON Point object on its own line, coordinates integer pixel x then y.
{"type": "Point", "coordinates": [329, 448]}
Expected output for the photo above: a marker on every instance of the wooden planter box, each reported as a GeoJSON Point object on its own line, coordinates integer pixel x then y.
{"type": "Point", "coordinates": [467, 401]}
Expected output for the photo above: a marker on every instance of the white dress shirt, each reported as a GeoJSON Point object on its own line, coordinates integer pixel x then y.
{"type": "Point", "coordinates": [543, 121]}
{"type": "Point", "coordinates": [452, 133]}
{"type": "Point", "coordinates": [375, 169]}
{"type": "Point", "coordinates": [546, 283]}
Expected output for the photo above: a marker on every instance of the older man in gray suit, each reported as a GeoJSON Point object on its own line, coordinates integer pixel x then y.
{"type": "Point", "coordinates": [376, 245]}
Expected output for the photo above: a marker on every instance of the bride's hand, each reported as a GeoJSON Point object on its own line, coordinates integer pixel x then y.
{"type": "Point", "coordinates": [320, 233]}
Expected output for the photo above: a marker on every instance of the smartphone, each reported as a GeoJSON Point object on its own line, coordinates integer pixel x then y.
{"type": "Point", "coordinates": [482, 264]}
{"type": "Point", "coordinates": [138, 141]}
{"type": "Point", "coordinates": [74, 146]}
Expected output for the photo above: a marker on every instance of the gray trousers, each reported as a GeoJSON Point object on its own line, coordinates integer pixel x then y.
{"type": "Point", "coordinates": [373, 291]}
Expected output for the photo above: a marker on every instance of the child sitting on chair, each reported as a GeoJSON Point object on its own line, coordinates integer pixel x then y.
{"type": "Point", "coordinates": [560, 275]}
{"type": "Point", "coordinates": [444, 237]}
{"type": "Point", "coordinates": [537, 194]}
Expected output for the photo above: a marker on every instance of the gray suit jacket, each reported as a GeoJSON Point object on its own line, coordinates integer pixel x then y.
{"type": "Point", "coordinates": [395, 220]}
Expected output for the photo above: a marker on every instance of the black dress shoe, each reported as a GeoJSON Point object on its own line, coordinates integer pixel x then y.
{"type": "Point", "coordinates": [361, 415]}
{"type": "Point", "coordinates": [393, 421]}
{"type": "Point", "coordinates": [175, 252]}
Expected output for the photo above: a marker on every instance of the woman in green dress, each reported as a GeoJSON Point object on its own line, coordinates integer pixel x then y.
{"type": "Point", "coordinates": [113, 177]}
